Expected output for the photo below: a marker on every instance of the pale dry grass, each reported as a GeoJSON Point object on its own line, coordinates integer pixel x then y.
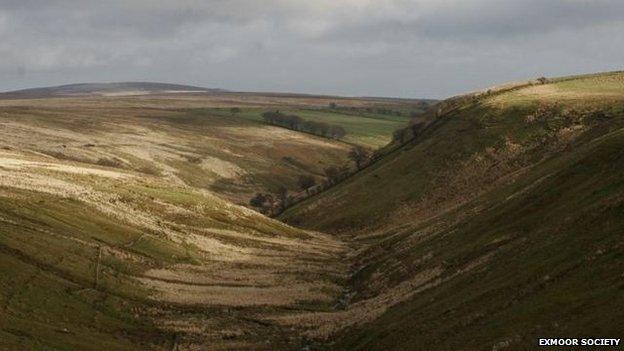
{"type": "Point", "coordinates": [222, 168]}
{"type": "Point", "coordinates": [582, 90]}
{"type": "Point", "coordinates": [554, 92]}
{"type": "Point", "coordinates": [217, 250]}
{"type": "Point", "coordinates": [21, 164]}
{"type": "Point", "coordinates": [289, 272]}
{"type": "Point", "coordinates": [95, 149]}
{"type": "Point", "coordinates": [148, 134]}
{"type": "Point", "coordinates": [236, 296]}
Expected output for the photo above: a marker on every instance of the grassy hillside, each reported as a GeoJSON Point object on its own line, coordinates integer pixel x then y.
{"type": "Point", "coordinates": [192, 138]}
{"type": "Point", "coordinates": [118, 228]}
{"type": "Point", "coordinates": [499, 223]}
{"type": "Point", "coordinates": [170, 138]}
{"type": "Point", "coordinates": [97, 260]}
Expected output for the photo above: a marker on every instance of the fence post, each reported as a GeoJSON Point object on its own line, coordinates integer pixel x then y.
{"type": "Point", "coordinates": [97, 267]}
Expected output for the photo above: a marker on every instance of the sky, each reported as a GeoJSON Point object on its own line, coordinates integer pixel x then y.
{"type": "Point", "coordinates": [398, 48]}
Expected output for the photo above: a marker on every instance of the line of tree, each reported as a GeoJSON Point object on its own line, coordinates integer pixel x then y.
{"type": "Point", "coordinates": [297, 123]}
{"type": "Point", "coordinates": [377, 110]}
{"type": "Point", "coordinates": [411, 110]}
{"type": "Point", "coordinates": [274, 203]}
{"type": "Point", "coordinates": [405, 134]}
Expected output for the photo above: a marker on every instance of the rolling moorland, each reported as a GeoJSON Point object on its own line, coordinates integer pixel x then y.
{"type": "Point", "coordinates": [496, 218]}
{"type": "Point", "coordinates": [121, 225]}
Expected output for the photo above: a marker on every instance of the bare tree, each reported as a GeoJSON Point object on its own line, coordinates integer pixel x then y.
{"type": "Point", "coordinates": [305, 182]}
{"type": "Point", "coordinates": [282, 197]}
{"type": "Point", "coordinates": [359, 155]}
{"type": "Point", "coordinates": [332, 173]}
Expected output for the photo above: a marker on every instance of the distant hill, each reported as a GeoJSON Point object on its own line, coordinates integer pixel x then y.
{"type": "Point", "coordinates": [117, 88]}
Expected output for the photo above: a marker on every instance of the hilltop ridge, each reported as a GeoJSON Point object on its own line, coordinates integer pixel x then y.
{"type": "Point", "coordinates": [120, 88]}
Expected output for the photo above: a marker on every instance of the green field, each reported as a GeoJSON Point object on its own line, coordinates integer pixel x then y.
{"type": "Point", "coordinates": [366, 129]}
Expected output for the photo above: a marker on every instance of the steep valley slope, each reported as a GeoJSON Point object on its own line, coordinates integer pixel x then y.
{"type": "Point", "coordinates": [502, 221]}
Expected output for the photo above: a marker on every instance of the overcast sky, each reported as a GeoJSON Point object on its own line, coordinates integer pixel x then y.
{"type": "Point", "coordinates": [417, 48]}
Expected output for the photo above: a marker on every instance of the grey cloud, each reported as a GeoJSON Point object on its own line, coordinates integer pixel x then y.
{"type": "Point", "coordinates": [458, 20]}
{"type": "Point", "coordinates": [505, 18]}
{"type": "Point", "coordinates": [428, 48]}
